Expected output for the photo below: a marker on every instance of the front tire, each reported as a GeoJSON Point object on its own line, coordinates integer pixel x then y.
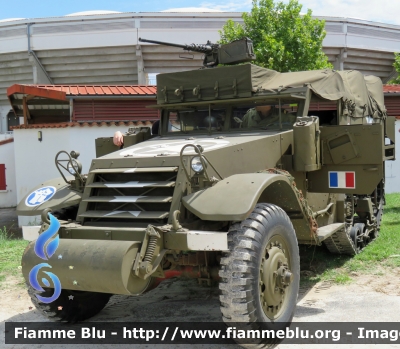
{"type": "Point", "coordinates": [261, 272]}
{"type": "Point", "coordinates": [81, 306]}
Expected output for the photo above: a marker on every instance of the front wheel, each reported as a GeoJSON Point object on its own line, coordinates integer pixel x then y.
{"type": "Point", "coordinates": [71, 306]}
{"type": "Point", "coordinates": [260, 274]}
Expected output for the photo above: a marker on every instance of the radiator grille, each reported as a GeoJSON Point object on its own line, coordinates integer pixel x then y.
{"type": "Point", "coordinates": [138, 196]}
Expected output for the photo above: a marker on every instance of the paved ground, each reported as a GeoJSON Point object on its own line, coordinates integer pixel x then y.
{"type": "Point", "coordinates": [184, 300]}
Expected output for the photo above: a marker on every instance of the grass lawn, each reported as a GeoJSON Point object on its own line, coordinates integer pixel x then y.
{"type": "Point", "coordinates": [10, 257]}
{"type": "Point", "coordinates": [378, 256]}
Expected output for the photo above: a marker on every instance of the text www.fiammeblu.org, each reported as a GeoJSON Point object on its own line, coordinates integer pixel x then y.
{"type": "Point", "coordinates": [234, 333]}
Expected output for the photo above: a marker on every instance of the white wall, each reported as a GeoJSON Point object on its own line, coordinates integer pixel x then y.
{"type": "Point", "coordinates": [393, 167]}
{"type": "Point", "coordinates": [4, 109]}
{"type": "Point", "coordinates": [34, 160]}
{"type": "Point", "coordinates": [8, 197]}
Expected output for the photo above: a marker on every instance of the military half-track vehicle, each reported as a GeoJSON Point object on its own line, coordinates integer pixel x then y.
{"type": "Point", "coordinates": [248, 163]}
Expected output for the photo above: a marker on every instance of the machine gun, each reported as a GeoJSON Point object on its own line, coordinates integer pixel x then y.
{"type": "Point", "coordinates": [238, 51]}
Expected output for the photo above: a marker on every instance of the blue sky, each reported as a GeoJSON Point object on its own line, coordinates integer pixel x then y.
{"type": "Point", "coordinates": [386, 11]}
{"type": "Point", "coordinates": [47, 8]}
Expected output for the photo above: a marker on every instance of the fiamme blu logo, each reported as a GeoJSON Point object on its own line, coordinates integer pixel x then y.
{"type": "Point", "coordinates": [45, 246]}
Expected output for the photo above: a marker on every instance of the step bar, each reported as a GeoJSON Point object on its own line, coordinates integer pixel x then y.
{"type": "Point", "coordinates": [328, 230]}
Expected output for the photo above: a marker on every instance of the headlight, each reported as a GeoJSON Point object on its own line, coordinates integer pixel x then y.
{"type": "Point", "coordinates": [196, 164]}
{"type": "Point", "coordinates": [76, 165]}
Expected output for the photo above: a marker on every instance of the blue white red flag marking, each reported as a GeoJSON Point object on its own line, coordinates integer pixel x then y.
{"type": "Point", "coordinates": [342, 179]}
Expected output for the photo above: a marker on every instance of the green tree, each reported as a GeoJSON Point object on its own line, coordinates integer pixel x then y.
{"type": "Point", "coordinates": [283, 39]}
{"type": "Point", "coordinates": [396, 66]}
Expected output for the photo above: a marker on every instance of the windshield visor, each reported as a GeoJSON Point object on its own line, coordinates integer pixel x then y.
{"type": "Point", "coordinates": [207, 119]}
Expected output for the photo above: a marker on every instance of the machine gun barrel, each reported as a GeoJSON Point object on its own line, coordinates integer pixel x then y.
{"type": "Point", "coordinates": [238, 51]}
{"type": "Point", "coordinates": [208, 48]}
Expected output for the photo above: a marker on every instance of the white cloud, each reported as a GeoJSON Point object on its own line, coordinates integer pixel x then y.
{"type": "Point", "coordinates": [384, 11]}
{"type": "Point", "coordinates": [191, 9]}
{"type": "Point", "coordinates": [372, 10]}
{"type": "Point", "coordinates": [231, 6]}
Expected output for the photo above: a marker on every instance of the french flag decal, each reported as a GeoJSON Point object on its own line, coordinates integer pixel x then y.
{"type": "Point", "coordinates": [342, 179]}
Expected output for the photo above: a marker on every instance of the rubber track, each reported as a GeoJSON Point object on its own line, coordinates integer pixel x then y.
{"type": "Point", "coordinates": [340, 243]}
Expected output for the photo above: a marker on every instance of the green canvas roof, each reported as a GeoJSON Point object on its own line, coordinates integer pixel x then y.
{"type": "Point", "coordinates": [364, 93]}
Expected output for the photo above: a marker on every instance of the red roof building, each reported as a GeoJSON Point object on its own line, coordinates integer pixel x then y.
{"type": "Point", "coordinates": [71, 105]}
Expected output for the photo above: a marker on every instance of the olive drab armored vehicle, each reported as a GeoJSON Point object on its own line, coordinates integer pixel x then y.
{"type": "Point", "coordinates": [248, 163]}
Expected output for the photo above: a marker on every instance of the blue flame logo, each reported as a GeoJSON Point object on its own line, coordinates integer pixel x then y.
{"type": "Point", "coordinates": [44, 248]}
{"type": "Point", "coordinates": [33, 280]}
{"type": "Point", "coordinates": [44, 239]}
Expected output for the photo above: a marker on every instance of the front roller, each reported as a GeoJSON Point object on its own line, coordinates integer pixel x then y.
{"type": "Point", "coordinates": [88, 265]}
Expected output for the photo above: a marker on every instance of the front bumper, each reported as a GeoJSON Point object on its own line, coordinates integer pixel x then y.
{"type": "Point", "coordinates": [185, 240]}
{"type": "Point", "coordinates": [107, 259]}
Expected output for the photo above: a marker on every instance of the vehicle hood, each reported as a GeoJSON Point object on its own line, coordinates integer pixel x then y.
{"type": "Point", "coordinates": [171, 146]}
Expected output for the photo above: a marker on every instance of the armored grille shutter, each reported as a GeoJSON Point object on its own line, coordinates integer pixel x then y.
{"type": "Point", "coordinates": [3, 185]}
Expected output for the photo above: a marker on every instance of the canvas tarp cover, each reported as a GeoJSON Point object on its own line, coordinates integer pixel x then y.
{"type": "Point", "coordinates": [362, 95]}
